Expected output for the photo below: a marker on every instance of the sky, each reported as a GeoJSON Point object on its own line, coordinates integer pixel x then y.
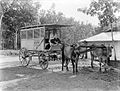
{"type": "Point", "coordinates": [69, 9]}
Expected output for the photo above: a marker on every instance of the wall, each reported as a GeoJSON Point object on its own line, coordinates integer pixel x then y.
{"type": "Point", "coordinates": [117, 48]}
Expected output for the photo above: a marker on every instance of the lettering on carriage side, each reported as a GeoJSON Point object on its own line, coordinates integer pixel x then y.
{"type": "Point", "coordinates": [36, 42]}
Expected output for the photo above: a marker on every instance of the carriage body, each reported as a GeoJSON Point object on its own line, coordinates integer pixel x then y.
{"type": "Point", "coordinates": [36, 37]}
{"type": "Point", "coordinates": [31, 38]}
{"type": "Point", "coordinates": [34, 40]}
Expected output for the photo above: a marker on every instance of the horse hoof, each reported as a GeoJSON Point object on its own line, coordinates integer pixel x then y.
{"type": "Point", "coordinates": [100, 71]}
{"type": "Point", "coordinates": [73, 73]}
{"type": "Point", "coordinates": [73, 76]}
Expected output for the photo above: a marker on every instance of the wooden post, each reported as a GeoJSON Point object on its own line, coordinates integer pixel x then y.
{"type": "Point", "coordinates": [113, 43]}
{"type": "Point", "coordinates": [16, 37]}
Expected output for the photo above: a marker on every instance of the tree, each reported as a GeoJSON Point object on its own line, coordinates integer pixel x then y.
{"type": "Point", "coordinates": [18, 14]}
{"type": "Point", "coordinates": [0, 26]}
{"type": "Point", "coordinates": [105, 10]}
{"type": "Point", "coordinates": [69, 35]}
{"type": "Point", "coordinates": [2, 10]}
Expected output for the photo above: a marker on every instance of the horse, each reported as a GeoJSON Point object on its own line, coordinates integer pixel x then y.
{"type": "Point", "coordinates": [71, 53]}
{"type": "Point", "coordinates": [67, 55]}
{"type": "Point", "coordinates": [103, 53]}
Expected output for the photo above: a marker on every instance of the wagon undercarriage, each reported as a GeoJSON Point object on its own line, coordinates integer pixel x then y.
{"type": "Point", "coordinates": [25, 56]}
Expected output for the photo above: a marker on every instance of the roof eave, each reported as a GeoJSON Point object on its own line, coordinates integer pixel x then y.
{"type": "Point", "coordinates": [47, 26]}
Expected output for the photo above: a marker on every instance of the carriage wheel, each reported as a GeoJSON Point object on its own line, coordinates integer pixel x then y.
{"type": "Point", "coordinates": [43, 61]}
{"type": "Point", "coordinates": [24, 57]}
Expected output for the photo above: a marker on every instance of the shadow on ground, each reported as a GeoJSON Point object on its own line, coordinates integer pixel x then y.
{"type": "Point", "coordinates": [12, 73]}
{"type": "Point", "coordinates": [43, 80]}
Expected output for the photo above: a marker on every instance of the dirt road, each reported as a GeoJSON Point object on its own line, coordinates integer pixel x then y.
{"type": "Point", "coordinates": [17, 78]}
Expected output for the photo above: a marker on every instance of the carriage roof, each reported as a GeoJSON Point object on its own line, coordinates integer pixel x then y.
{"type": "Point", "coordinates": [46, 26]}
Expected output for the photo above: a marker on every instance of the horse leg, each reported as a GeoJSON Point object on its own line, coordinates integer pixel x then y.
{"type": "Point", "coordinates": [106, 64]}
{"type": "Point", "coordinates": [108, 61]}
{"type": "Point", "coordinates": [76, 62]}
{"type": "Point", "coordinates": [76, 65]}
{"type": "Point", "coordinates": [73, 65]}
{"type": "Point", "coordinates": [63, 60]}
{"type": "Point", "coordinates": [86, 54]}
{"type": "Point", "coordinates": [105, 68]}
{"type": "Point", "coordinates": [92, 59]}
{"type": "Point", "coordinates": [67, 62]}
{"type": "Point", "coordinates": [100, 60]}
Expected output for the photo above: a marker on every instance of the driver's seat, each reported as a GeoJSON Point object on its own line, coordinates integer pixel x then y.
{"type": "Point", "coordinates": [56, 47]}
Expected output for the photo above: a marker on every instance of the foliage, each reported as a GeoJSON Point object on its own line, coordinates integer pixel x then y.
{"type": "Point", "coordinates": [17, 14]}
{"type": "Point", "coordinates": [69, 35]}
{"type": "Point", "coordinates": [104, 9]}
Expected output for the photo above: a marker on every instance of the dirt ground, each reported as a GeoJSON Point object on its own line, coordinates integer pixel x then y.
{"type": "Point", "coordinates": [19, 78]}
{"type": "Point", "coordinates": [38, 80]}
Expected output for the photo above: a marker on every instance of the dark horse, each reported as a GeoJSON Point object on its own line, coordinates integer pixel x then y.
{"type": "Point", "coordinates": [71, 53]}
{"type": "Point", "coordinates": [103, 53]}
{"type": "Point", "coordinates": [67, 55]}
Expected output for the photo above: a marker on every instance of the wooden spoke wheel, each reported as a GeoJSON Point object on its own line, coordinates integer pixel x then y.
{"type": "Point", "coordinates": [24, 57]}
{"type": "Point", "coordinates": [43, 61]}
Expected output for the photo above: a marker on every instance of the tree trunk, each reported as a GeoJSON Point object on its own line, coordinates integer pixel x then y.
{"type": "Point", "coordinates": [16, 37]}
{"type": "Point", "coordinates": [1, 39]}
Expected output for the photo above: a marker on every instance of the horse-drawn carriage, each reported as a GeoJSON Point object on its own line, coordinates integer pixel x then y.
{"type": "Point", "coordinates": [36, 41]}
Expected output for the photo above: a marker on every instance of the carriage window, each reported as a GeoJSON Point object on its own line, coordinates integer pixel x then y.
{"type": "Point", "coordinates": [36, 33]}
{"type": "Point", "coordinates": [42, 32]}
{"type": "Point", "coordinates": [30, 34]}
{"type": "Point", "coordinates": [23, 34]}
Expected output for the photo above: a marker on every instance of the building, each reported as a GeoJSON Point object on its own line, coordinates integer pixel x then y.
{"type": "Point", "coordinates": [106, 38]}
